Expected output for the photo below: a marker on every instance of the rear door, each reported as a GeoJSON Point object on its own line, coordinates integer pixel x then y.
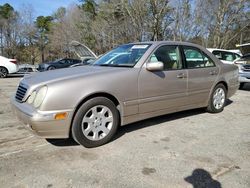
{"type": "Point", "coordinates": [163, 90]}
{"type": "Point", "coordinates": [202, 73]}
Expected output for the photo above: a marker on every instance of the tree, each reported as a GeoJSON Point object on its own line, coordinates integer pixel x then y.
{"type": "Point", "coordinates": [28, 32]}
{"type": "Point", "coordinates": [222, 20]}
{"type": "Point", "coordinates": [9, 32]}
{"type": "Point", "coordinates": [43, 23]}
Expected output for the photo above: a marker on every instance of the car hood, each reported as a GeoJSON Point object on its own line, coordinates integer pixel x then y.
{"type": "Point", "coordinates": [81, 50]}
{"type": "Point", "coordinates": [42, 78]}
{"type": "Point", "coordinates": [244, 48]}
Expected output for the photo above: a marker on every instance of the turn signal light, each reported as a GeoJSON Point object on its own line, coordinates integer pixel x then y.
{"type": "Point", "coordinates": [61, 116]}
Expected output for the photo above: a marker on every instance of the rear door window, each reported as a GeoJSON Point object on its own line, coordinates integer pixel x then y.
{"type": "Point", "coordinates": [195, 58]}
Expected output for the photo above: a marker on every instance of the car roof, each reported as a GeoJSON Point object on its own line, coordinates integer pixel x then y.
{"type": "Point", "coordinates": [166, 42]}
{"type": "Point", "coordinates": [224, 50]}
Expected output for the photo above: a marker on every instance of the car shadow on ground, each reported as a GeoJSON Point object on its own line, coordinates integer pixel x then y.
{"type": "Point", "coordinates": [160, 119]}
{"type": "Point", "coordinates": [201, 178]}
{"type": "Point", "coordinates": [138, 125]}
{"type": "Point", "coordinates": [16, 75]}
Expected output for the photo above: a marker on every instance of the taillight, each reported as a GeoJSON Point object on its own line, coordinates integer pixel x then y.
{"type": "Point", "coordinates": [13, 61]}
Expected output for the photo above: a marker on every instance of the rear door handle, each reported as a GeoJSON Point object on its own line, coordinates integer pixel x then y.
{"type": "Point", "coordinates": [181, 75]}
{"type": "Point", "coordinates": [213, 72]}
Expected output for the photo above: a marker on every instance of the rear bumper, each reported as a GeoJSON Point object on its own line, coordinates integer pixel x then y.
{"type": "Point", "coordinates": [12, 68]}
{"type": "Point", "coordinates": [244, 77]}
{"type": "Point", "coordinates": [42, 123]}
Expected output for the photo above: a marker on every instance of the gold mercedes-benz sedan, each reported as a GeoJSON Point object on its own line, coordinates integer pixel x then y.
{"type": "Point", "coordinates": [130, 83]}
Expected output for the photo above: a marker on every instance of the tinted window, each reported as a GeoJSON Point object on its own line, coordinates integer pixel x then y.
{"type": "Point", "coordinates": [217, 54]}
{"type": "Point", "coordinates": [228, 56]}
{"type": "Point", "coordinates": [61, 61]}
{"type": "Point", "coordinates": [169, 56]}
{"type": "Point", "coordinates": [197, 59]}
{"type": "Point", "coordinates": [237, 56]}
{"type": "Point", "coordinates": [77, 61]}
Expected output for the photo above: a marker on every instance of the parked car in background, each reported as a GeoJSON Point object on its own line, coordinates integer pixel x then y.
{"type": "Point", "coordinates": [58, 64]}
{"type": "Point", "coordinates": [244, 64]}
{"type": "Point", "coordinates": [85, 55]}
{"type": "Point", "coordinates": [150, 79]}
{"type": "Point", "coordinates": [87, 61]}
{"type": "Point", "coordinates": [7, 66]}
{"type": "Point", "coordinates": [26, 69]}
{"type": "Point", "coordinates": [226, 56]}
{"type": "Point", "coordinates": [244, 70]}
{"type": "Point", "coordinates": [83, 52]}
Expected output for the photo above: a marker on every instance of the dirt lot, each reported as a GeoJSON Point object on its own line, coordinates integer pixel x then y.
{"type": "Point", "coordinates": [186, 149]}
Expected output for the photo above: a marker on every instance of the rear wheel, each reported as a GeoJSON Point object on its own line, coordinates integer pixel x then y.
{"type": "Point", "coordinates": [95, 122]}
{"type": "Point", "coordinates": [3, 72]}
{"type": "Point", "coordinates": [51, 68]}
{"type": "Point", "coordinates": [217, 99]}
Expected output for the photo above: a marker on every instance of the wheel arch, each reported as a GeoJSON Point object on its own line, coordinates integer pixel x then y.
{"type": "Point", "coordinates": [5, 68]}
{"type": "Point", "coordinates": [1, 66]}
{"type": "Point", "coordinates": [212, 88]}
{"type": "Point", "coordinates": [94, 95]}
{"type": "Point", "coordinates": [224, 83]}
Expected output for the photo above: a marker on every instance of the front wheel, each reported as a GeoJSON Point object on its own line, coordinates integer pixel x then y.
{"type": "Point", "coordinates": [95, 122]}
{"type": "Point", "coordinates": [217, 99]}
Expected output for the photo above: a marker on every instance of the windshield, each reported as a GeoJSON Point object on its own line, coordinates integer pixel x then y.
{"type": "Point", "coordinates": [123, 56]}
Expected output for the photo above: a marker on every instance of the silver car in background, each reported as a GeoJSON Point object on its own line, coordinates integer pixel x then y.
{"type": "Point", "coordinates": [130, 83]}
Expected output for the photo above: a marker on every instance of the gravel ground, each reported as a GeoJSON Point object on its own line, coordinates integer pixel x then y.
{"type": "Point", "coordinates": [187, 149]}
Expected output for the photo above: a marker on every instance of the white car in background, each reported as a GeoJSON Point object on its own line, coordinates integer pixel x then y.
{"type": "Point", "coordinates": [7, 66]}
{"type": "Point", "coordinates": [226, 56]}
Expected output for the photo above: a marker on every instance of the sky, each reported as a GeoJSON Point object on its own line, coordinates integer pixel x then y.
{"type": "Point", "coordinates": [41, 7]}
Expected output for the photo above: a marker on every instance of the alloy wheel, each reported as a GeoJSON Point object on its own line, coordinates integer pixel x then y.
{"type": "Point", "coordinates": [97, 122]}
{"type": "Point", "coordinates": [219, 98]}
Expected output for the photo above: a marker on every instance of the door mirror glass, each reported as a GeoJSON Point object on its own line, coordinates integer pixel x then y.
{"type": "Point", "coordinates": [155, 66]}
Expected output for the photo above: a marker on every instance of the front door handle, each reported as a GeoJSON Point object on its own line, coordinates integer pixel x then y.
{"type": "Point", "coordinates": [181, 75]}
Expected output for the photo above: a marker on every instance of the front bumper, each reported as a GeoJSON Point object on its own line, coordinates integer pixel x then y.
{"type": "Point", "coordinates": [42, 123]}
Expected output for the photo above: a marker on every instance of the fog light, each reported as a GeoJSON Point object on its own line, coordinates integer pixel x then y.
{"type": "Point", "coordinates": [61, 116]}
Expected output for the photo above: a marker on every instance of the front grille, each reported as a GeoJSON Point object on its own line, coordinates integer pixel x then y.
{"type": "Point", "coordinates": [246, 66]}
{"type": "Point", "coordinates": [20, 93]}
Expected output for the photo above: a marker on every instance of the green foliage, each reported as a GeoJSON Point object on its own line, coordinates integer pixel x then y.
{"type": "Point", "coordinates": [6, 11]}
{"type": "Point", "coordinates": [89, 6]}
{"type": "Point", "coordinates": [43, 23]}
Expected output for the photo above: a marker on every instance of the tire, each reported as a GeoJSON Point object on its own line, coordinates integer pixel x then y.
{"type": "Point", "coordinates": [241, 85]}
{"type": "Point", "coordinates": [51, 68]}
{"type": "Point", "coordinates": [95, 122]}
{"type": "Point", "coordinates": [3, 72]}
{"type": "Point", "coordinates": [217, 99]}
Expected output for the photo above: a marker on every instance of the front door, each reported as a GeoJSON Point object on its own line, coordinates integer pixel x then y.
{"type": "Point", "coordinates": [163, 90]}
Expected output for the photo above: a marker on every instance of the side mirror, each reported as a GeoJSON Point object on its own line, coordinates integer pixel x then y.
{"type": "Point", "coordinates": [154, 66]}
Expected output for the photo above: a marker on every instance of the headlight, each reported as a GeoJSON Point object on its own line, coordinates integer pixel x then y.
{"type": "Point", "coordinates": [36, 98]}
{"type": "Point", "coordinates": [40, 95]}
{"type": "Point", "coordinates": [32, 97]}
